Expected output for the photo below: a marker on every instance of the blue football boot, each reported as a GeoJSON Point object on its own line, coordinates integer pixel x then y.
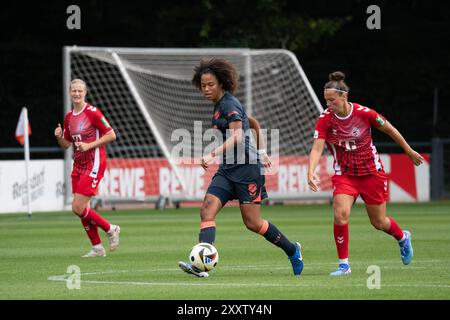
{"type": "Point", "coordinates": [342, 270]}
{"type": "Point", "coordinates": [406, 249]}
{"type": "Point", "coordinates": [297, 259]}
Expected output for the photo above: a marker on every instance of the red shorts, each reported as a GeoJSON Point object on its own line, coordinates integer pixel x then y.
{"type": "Point", "coordinates": [373, 188]}
{"type": "Point", "coordinates": [84, 184]}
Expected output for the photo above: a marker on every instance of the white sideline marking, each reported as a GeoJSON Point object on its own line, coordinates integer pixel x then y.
{"type": "Point", "coordinates": [203, 284]}
{"type": "Point", "coordinates": [64, 278]}
{"type": "Point", "coordinates": [247, 267]}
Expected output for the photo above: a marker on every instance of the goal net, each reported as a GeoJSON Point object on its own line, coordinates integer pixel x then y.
{"type": "Point", "coordinates": [148, 97]}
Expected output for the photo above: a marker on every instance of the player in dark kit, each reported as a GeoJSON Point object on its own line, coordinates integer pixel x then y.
{"type": "Point", "coordinates": [345, 127]}
{"type": "Point", "coordinates": [240, 174]}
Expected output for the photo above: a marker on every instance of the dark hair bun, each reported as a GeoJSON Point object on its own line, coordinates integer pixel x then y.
{"type": "Point", "coordinates": [337, 76]}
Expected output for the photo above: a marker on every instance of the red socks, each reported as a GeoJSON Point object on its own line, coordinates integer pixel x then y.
{"type": "Point", "coordinates": [395, 230]}
{"type": "Point", "coordinates": [96, 219]}
{"type": "Point", "coordinates": [341, 236]}
{"type": "Point", "coordinates": [341, 239]}
{"type": "Point", "coordinates": [92, 232]}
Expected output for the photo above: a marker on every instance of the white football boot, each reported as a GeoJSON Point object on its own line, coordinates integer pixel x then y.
{"type": "Point", "coordinates": [113, 237]}
{"type": "Point", "coordinates": [95, 252]}
{"type": "Point", "coordinates": [189, 268]}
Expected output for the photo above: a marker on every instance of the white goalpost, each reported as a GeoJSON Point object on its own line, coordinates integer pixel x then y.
{"type": "Point", "coordinates": [147, 94]}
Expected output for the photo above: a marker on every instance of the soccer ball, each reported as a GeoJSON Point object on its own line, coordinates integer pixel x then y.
{"type": "Point", "coordinates": [204, 256]}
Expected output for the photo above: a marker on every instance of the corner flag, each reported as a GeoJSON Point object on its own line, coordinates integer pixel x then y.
{"type": "Point", "coordinates": [20, 129]}
{"type": "Point", "coordinates": [23, 130]}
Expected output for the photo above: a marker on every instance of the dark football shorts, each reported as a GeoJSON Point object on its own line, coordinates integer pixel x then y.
{"type": "Point", "coordinates": [250, 191]}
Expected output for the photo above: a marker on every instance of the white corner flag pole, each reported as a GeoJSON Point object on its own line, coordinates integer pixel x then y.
{"type": "Point", "coordinates": [27, 158]}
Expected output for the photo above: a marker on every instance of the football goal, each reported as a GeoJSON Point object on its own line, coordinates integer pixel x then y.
{"type": "Point", "coordinates": [147, 96]}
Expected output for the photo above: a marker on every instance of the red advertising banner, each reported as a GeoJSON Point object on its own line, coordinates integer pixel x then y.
{"type": "Point", "coordinates": [138, 178]}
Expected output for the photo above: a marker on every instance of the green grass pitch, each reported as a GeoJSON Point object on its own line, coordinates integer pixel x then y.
{"type": "Point", "coordinates": [35, 255]}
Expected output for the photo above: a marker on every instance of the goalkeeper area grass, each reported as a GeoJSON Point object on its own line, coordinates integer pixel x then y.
{"type": "Point", "coordinates": [39, 257]}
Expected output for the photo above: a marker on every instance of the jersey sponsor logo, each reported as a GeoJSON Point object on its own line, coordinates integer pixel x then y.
{"type": "Point", "coordinates": [76, 137]}
{"type": "Point", "coordinates": [348, 144]}
{"type": "Point", "coordinates": [252, 188]}
{"type": "Point", "coordinates": [379, 120]}
{"type": "Point", "coordinates": [105, 123]}
{"type": "Point", "coordinates": [94, 183]}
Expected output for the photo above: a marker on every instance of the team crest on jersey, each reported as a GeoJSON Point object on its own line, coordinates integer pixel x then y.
{"type": "Point", "coordinates": [252, 189]}
{"type": "Point", "coordinates": [355, 132]}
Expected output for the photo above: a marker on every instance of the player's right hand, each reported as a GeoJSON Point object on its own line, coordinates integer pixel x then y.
{"type": "Point", "coordinates": [313, 181]}
{"type": "Point", "coordinates": [58, 131]}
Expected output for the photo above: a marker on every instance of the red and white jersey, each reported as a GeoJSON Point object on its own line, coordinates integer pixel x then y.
{"type": "Point", "coordinates": [349, 139]}
{"type": "Point", "coordinates": [87, 126]}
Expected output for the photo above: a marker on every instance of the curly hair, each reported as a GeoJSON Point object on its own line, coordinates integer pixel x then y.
{"type": "Point", "coordinates": [224, 71]}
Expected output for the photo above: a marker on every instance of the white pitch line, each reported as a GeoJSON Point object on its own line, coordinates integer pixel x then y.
{"type": "Point", "coordinates": [62, 278]}
{"type": "Point", "coordinates": [382, 264]}
{"type": "Point", "coordinates": [203, 283]}
{"type": "Point", "coordinates": [232, 268]}
{"type": "Point", "coordinates": [175, 284]}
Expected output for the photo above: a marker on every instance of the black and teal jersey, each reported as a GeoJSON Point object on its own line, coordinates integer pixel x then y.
{"type": "Point", "coordinates": [228, 109]}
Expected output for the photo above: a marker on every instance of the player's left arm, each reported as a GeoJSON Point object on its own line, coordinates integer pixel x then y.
{"type": "Point", "coordinates": [391, 131]}
{"type": "Point", "coordinates": [260, 143]}
{"type": "Point", "coordinates": [254, 124]}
